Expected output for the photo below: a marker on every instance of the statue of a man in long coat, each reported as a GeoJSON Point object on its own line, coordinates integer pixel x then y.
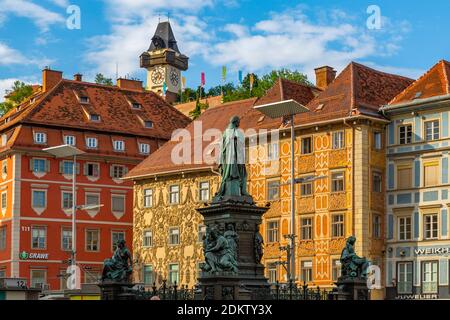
{"type": "Point", "coordinates": [232, 161]}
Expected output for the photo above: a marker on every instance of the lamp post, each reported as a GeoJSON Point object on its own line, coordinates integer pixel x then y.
{"type": "Point", "coordinates": [287, 109]}
{"type": "Point", "coordinates": [66, 151]}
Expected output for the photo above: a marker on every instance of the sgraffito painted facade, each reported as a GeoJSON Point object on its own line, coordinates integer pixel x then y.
{"type": "Point", "coordinates": [418, 239]}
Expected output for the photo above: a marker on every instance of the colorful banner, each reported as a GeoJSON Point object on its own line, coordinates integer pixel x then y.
{"type": "Point", "coordinates": [183, 84]}
{"type": "Point", "coordinates": [164, 88]}
{"type": "Point", "coordinates": [224, 73]}
{"type": "Point", "coordinates": [252, 80]}
{"type": "Point", "coordinates": [203, 79]}
{"type": "Point", "coordinates": [240, 76]}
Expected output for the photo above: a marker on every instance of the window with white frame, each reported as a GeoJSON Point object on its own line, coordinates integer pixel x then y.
{"type": "Point", "coordinates": [116, 236]}
{"type": "Point", "coordinates": [430, 277]}
{"type": "Point", "coordinates": [405, 134]}
{"type": "Point", "coordinates": [404, 228]}
{"type": "Point", "coordinates": [377, 140]}
{"type": "Point", "coordinates": [39, 165]}
{"type": "Point", "coordinates": [376, 226]}
{"type": "Point", "coordinates": [204, 191]}
{"type": "Point", "coordinates": [67, 200]}
{"type": "Point", "coordinates": [174, 273]}
{"type": "Point", "coordinates": [148, 124]}
{"type": "Point", "coordinates": [306, 187]}
{"type": "Point", "coordinates": [70, 140]}
{"type": "Point", "coordinates": [119, 145]}
{"type": "Point", "coordinates": [39, 199]}
{"type": "Point", "coordinates": [306, 145]}
{"type": "Point", "coordinates": [91, 169]}
{"type": "Point", "coordinates": [273, 190]}
{"type": "Point", "coordinates": [272, 231]}
{"type": "Point", "coordinates": [273, 151]}
{"type": "Point", "coordinates": [3, 231]}
{"type": "Point", "coordinates": [337, 182]}
{"type": "Point", "coordinates": [38, 278]}
{"type": "Point", "coordinates": [92, 240]}
{"type": "Point", "coordinates": [338, 140]}
{"type": "Point", "coordinates": [306, 271]}
{"type": "Point", "coordinates": [336, 269]}
{"type": "Point", "coordinates": [405, 277]}
{"type": "Point", "coordinates": [92, 199]}
{"type": "Point", "coordinates": [40, 137]}
{"type": "Point", "coordinates": [432, 130]}
{"type": "Point", "coordinates": [272, 272]}
{"type": "Point", "coordinates": [144, 148]}
{"type": "Point", "coordinates": [38, 237]}
{"type": "Point", "coordinates": [337, 225]}
{"type": "Point", "coordinates": [147, 275]}
{"type": "Point", "coordinates": [118, 171]}
{"type": "Point", "coordinates": [118, 203]}
{"type": "Point", "coordinates": [66, 167]}
{"type": "Point", "coordinates": [148, 198]}
{"type": "Point", "coordinates": [94, 117]}
{"type": "Point", "coordinates": [66, 238]}
{"type": "Point", "coordinates": [174, 194]}
{"type": "Point", "coordinates": [306, 229]}
{"type": "Point", "coordinates": [430, 226]}
{"type": "Point", "coordinates": [147, 238]}
{"type": "Point", "coordinates": [174, 236]}
{"type": "Point", "coordinates": [91, 143]}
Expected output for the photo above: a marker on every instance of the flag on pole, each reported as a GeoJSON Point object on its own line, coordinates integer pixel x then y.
{"type": "Point", "coordinates": [203, 79]}
{"type": "Point", "coordinates": [252, 80]}
{"type": "Point", "coordinates": [240, 76]}
{"type": "Point", "coordinates": [164, 88]}
{"type": "Point", "coordinates": [224, 73]}
{"type": "Point", "coordinates": [183, 84]}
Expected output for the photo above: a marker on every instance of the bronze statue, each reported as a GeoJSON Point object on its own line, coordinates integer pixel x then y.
{"type": "Point", "coordinates": [352, 265]}
{"type": "Point", "coordinates": [232, 162]}
{"type": "Point", "coordinates": [219, 254]}
{"type": "Point", "coordinates": [120, 266]}
{"type": "Point", "coordinates": [232, 238]}
{"type": "Point", "coordinates": [259, 243]}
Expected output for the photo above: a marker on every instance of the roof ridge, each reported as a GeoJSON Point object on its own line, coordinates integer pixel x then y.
{"type": "Point", "coordinates": [379, 71]}
{"type": "Point", "coordinates": [446, 73]}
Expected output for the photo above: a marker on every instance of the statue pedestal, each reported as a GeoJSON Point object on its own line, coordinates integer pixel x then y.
{"type": "Point", "coordinates": [116, 291]}
{"type": "Point", "coordinates": [352, 289]}
{"type": "Point", "coordinates": [249, 282]}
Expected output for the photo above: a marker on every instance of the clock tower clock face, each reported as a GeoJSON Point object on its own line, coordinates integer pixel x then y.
{"type": "Point", "coordinates": [174, 78]}
{"type": "Point", "coordinates": [158, 75]}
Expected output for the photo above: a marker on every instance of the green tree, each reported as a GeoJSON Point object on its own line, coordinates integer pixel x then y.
{"type": "Point", "coordinates": [19, 93]}
{"type": "Point", "coordinates": [227, 88]}
{"type": "Point", "coordinates": [101, 79]}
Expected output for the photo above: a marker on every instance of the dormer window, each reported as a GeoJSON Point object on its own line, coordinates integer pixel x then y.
{"type": "Point", "coordinates": [94, 117]}
{"type": "Point", "coordinates": [40, 137]}
{"type": "Point", "coordinates": [144, 148]}
{"type": "Point", "coordinates": [119, 145]}
{"type": "Point", "coordinates": [148, 124]}
{"type": "Point", "coordinates": [136, 105]}
{"type": "Point", "coordinates": [84, 99]}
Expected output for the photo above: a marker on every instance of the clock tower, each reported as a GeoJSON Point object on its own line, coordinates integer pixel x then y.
{"type": "Point", "coordinates": [164, 63]}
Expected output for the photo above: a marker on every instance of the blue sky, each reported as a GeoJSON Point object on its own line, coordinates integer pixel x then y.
{"type": "Point", "coordinates": [251, 35]}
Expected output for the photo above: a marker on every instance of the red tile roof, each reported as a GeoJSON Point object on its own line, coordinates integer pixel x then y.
{"type": "Point", "coordinates": [435, 82]}
{"type": "Point", "coordinates": [187, 107]}
{"type": "Point", "coordinates": [357, 90]}
{"type": "Point", "coordinates": [60, 107]}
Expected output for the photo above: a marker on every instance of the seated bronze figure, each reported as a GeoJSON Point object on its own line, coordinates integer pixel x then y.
{"type": "Point", "coordinates": [120, 266]}
{"type": "Point", "coordinates": [352, 265]}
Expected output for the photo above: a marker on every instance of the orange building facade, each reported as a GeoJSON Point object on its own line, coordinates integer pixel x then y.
{"type": "Point", "coordinates": [116, 127]}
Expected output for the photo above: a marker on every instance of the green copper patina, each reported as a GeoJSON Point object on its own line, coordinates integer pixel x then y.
{"type": "Point", "coordinates": [352, 265]}
{"type": "Point", "coordinates": [120, 266]}
{"type": "Point", "coordinates": [220, 252]}
{"type": "Point", "coordinates": [232, 165]}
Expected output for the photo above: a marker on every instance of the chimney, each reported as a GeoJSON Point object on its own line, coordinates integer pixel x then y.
{"type": "Point", "coordinates": [130, 84]}
{"type": "Point", "coordinates": [50, 78]}
{"type": "Point", "coordinates": [78, 77]}
{"type": "Point", "coordinates": [324, 76]}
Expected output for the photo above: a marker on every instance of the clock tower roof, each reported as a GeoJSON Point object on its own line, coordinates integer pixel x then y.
{"type": "Point", "coordinates": [164, 38]}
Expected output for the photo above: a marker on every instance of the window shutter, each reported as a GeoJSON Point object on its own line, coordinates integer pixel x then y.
{"type": "Point", "coordinates": [96, 170]}
{"type": "Point", "coordinates": [85, 169]}
{"type": "Point", "coordinates": [111, 171]}
{"type": "Point", "coordinates": [31, 164]}
{"type": "Point", "coordinates": [61, 167]}
{"type": "Point", "coordinates": [47, 165]}
{"type": "Point", "coordinates": [78, 168]}
{"type": "Point", "coordinates": [125, 170]}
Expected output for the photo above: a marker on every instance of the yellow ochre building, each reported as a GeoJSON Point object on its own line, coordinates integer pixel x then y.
{"type": "Point", "coordinates": [340, 140]}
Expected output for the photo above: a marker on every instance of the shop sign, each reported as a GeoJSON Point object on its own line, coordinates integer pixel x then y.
{"type": "Point", "coordinates": [33, 256]}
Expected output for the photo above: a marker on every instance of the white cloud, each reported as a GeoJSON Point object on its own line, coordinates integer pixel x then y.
{"type": "Point", "coordinates": [10, 56]}
{"type": "Point", "coordinates": [60, 3]}
{"type": "Point", "coordinates": [42, 17]}
{"type": "Point", "coordinates": [237, 30]}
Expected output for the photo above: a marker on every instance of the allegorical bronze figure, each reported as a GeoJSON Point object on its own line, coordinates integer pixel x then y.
{"type": "Point", "coordinates": [352, 265]}
{"type": "Point", "coordinates": [120, 266]}
{"type": "Point", "coordinates": [219, 253]}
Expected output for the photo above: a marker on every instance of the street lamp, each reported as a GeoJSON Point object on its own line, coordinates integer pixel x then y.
{"type": "Point", "coordinates": [66, 151]}
{"type": "Point", "coordinates": [287, 108]}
